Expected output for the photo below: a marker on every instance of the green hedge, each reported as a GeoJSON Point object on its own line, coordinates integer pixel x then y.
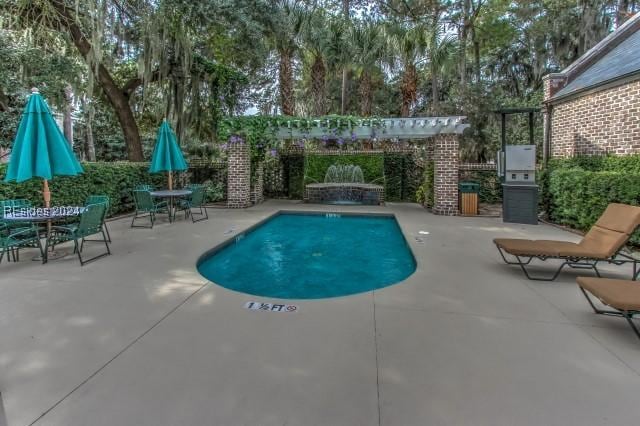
{"type": "Point", "coordinates": [577, 190]}
{"type": "Point", "coordinates": [113, 179]}
{"type": "Point", "coordinates": [403, 176]}
{"type": "Point", "coordinates": [598, 163]}
{"type": "Point", "coordinates": [316, 165]}
{"type": "Point", "coordinates": [293, 167]}
{"type": "Point", "coordinates": [424, 192]}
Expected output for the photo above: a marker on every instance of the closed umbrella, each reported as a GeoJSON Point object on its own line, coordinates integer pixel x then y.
{"type": "Point", "coordinates": [40, 149]}
{"type": "Point", "coordinates": [167, 156]}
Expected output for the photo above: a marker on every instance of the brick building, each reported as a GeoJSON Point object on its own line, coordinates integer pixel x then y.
{"type": "Point", "coordinates": [593, 106]}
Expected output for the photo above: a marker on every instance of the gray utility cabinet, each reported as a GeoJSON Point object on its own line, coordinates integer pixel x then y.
{"type": "Point", "coordinates": [520, 203]}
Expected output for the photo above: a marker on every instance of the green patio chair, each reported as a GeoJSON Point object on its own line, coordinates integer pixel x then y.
{"type": "Point", "coordinates": [195, 201]}
{"type": "Point", "coordinates": [147, 206]}
{"type": "Point", "coordinates": [12, 240]}
{"type": "Point", "coordinates": [95, 199]}
{"type": "Point", "coordinates": [144, 187]}
{"type": "Point", "coordinates": [91, 223]}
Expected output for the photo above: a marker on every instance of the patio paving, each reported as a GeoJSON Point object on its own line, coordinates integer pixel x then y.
{"type": "Point", "coordinates": [140, 338]}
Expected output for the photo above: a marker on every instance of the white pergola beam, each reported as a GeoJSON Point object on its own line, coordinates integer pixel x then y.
{"type": "Point", "coordinates": [386, 128]}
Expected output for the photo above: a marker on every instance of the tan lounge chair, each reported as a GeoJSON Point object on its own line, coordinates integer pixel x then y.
{"type": "Point", "coordinates": [603, 243]}
{"type": "Point", "coordinates": [621, 295]}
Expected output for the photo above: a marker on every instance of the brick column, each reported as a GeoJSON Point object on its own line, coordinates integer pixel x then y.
{"type": "Point", "coordinates": [445, 180]}
{"type": "Point", "coordinates": [257, 191]}
{"type": "Point", "coordinates": [239, 176]}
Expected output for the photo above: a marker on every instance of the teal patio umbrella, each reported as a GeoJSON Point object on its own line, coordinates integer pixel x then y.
{"type": "Point", "coordinates": [167, 156]}
{"type": "Point", "coordinates": [40, 149]}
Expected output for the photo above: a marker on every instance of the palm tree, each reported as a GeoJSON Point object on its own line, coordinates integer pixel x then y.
{"type": "Point", "coordinates": [410, 44]}
{"type": "Point", "coordinates": [369, 47]}
{"type": "Point", "coordinates": [283, 26]}
{"type": "Point", "coordinates": [318, 38]}
{"type": "Point", "coordinates": [442, 49]}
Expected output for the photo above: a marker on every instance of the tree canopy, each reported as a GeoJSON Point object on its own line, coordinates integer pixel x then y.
{"type": "Point", "coordinates": [114, 68]}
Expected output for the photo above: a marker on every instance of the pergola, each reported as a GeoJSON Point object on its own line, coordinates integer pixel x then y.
{"type": "Point", "coordinates": [383, 128]}
{"type": "Point", "coordinates": [442, 132]}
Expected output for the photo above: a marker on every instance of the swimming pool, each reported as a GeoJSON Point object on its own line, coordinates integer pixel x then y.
{"type": "Point", "coordinates": [312, 256]}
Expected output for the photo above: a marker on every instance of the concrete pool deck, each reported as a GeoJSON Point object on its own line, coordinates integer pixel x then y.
{"type": "Point", "coordinates": [140, 338]}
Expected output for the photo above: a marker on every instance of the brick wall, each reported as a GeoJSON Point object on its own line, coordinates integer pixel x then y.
{"type": "Point", "coordinates": [446, 162]}
{"type": "Point", "coordinates": [604, 122]}
{"type": "Point", "coordinates": [239, 176]}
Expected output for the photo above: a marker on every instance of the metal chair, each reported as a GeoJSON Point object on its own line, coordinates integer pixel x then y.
{"type": "Point", "coordinates": [144, 187]}
{"type": "Point", "coordinates": [95, 199]}
{"type": "Point", "coordinates": [146, 206]}
{"type": "Point", "coordinates": [12, 240]}
{"type": "Point", "coordinates": [196, 200]}
{"type": "Point", "coordinates": [91, 223]}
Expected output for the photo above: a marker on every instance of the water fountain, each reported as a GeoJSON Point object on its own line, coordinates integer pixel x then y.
{"type": "Point", "coordinates": [344, 184]}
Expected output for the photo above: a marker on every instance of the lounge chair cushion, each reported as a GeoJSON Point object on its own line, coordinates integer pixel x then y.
{"type": "Point", "coordinates": [620, 294]}
{"type": "Point", "coordinates": [620, 217]}
{"type": "Point", "coordinates": [599, 243]}
{"type": "Point", "coordinates": [520, 247]}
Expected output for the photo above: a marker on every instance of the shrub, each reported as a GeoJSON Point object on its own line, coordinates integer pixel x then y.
{"type": "Point", "coordinates": [113, 179]}
{"type": "Point", "coordinates": [424, 193]}
{"type": "Point", "coordinates": [577, 197]}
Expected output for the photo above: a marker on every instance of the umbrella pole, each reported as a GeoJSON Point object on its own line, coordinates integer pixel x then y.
{"type": "Point", "coordinates": [46, 194]}
{"type": "Point", "coordinates": [170, 181]}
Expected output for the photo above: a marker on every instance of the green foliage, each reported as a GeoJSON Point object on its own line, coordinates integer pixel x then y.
{"type": "Point", "coordinates": [113, 179]}
{"type": "Point", "coordinates": [597, 163]}
{"type": "Point", "coordinates": [424, 193]}
{"type": "Point", "coordinates": [293, 166]}
{"type": "Point", "coordinates": [403, 175]}
{"type": "Point", "coordinates": [577, 190]}
{"type": "Point", "coordinates": [490, 184]}
{"type": "Point", "coordinates": [316, 165]}
{"type": "Point", "coordinates": [256, 130]}
{"type": "Point", "coordinates": [213, 191]}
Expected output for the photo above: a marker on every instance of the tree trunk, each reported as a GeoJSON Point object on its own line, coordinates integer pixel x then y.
{"type": "Point", "coordinates": [67, 120]}
{"type": "Point", "coordinates": [365, 94]}
{"type": "Point", "coordinates": [286, 83]}
{"type": "Point", "coordinates": [343, 87]}
{"type": "Point", "coordinates": [318, 86]}
{"type": "Point", "coordinates": [116, 97]}
{"type": "Point", "coordinates": [464, 35]}
{"type": "Point", "coordinates": [476, 55]}
{"type": "Point", "coordinates": [89, 144]}
{"type": "Point", "coordinates": [408, 89]}
{"type": "Point", "coordinates": [435, 95]}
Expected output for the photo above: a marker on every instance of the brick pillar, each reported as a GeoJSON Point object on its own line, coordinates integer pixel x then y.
{"type": "Point", "coordinates": [239, 176]}
{"type": "Point", "coordinates": [257, 191]}
{"type": "Point", "coordinates": [445, 180]}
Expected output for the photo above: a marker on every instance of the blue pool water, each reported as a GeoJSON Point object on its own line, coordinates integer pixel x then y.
{"type": "Point", "coordinates": [312, 256]}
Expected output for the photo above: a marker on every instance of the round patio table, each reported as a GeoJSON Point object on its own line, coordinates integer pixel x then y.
{"type": "Point", "coordinates": [72, 211]}
{"type": "Point", "coordinates": [171, 194]}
